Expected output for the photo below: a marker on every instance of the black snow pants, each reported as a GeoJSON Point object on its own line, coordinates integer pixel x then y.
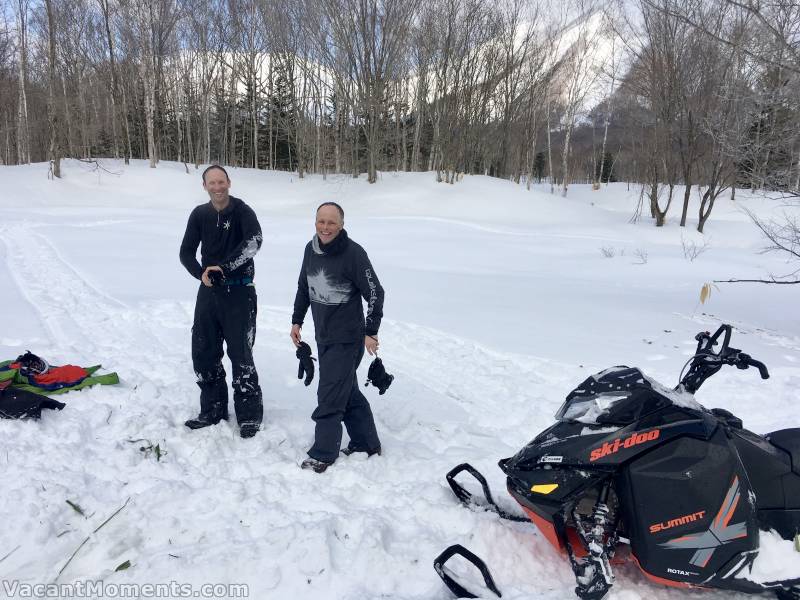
{"type": "Point", "coordinates": [339, 399]}
{"type": "Point", "coordinates": [226, 313]}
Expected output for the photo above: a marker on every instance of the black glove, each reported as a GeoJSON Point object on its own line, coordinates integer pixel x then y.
{"type": "Point", "coordinates": [378, 376]}
{"type": "Point", "coordinates": [216, 278]}
{"type": "Point", "coordinates": [306, 363]}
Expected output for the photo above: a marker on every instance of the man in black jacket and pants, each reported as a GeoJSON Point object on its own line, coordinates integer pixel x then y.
{"type": "Point", "coordinates": [229, 236]}
{"type": "Point", "coordinates": [335, 275]}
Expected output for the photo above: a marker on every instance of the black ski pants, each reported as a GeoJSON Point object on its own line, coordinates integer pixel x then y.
{"type": "Point", "coordinates": [339, 399]}
{"type": "Point", "coordinates": [226, 313]}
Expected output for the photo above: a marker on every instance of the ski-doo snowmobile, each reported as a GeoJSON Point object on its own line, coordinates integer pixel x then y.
{"type": "Point", "coordinates": [632, 463]}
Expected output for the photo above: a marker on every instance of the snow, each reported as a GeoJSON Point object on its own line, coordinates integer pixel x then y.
{"type": "Point", "coordinates": [775, 558]}
{"type": "Point", "coordinates": [678, 397]}
{"type": "Point", "coordinates": [498, 302]}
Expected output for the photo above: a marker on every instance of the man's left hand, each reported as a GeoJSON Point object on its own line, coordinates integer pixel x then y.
{"type": "Point", "coordinates": [371, 344]}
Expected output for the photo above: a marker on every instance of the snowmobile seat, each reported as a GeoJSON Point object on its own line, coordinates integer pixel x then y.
{"type": "Point", "coordinates": [788, 440]}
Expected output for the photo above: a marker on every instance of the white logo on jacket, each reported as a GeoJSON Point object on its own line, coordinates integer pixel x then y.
{"type": "Point", "coordinates": [323, 289]}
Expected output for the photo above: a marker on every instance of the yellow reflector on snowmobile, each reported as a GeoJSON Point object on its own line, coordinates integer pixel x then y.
{"type": "Point", "coordinates": [544, 488]}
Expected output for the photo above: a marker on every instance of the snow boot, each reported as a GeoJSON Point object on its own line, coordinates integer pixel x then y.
{"type": "Point", "coordinates": [248, 429]}
{"type": "Point", "coordinates": [315, 465]}
{"type": "Point", "coordinates": [348, 451]}
{"type": "Point", "coordinates": [206, 420]}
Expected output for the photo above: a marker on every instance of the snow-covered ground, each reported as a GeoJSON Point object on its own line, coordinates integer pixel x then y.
{"type": "Point", "coordinates": [498, 302]}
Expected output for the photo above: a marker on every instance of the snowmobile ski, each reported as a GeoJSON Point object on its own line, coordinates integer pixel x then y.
{"type": "Point", "coordinates": [459, 590]}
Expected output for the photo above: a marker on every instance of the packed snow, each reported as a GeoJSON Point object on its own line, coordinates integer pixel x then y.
{"type": "Point", "coordinates": [499, 301]}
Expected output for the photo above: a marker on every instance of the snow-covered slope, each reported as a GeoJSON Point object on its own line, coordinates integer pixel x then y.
{"type": "Point", "coordinates": [498, 302]}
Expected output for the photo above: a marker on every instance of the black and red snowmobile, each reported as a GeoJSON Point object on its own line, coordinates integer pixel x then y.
{"type": "Point", "coordinates": [632, 463]}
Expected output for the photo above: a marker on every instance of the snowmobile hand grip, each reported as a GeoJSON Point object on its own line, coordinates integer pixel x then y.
{"type": "Point", "coordinates": [762, 368]}
{"type": "Point", "coordinates": [455, 587]}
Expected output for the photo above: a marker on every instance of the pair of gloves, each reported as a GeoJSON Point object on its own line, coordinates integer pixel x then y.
{"type": "Point", "coordinates": [376, 375]}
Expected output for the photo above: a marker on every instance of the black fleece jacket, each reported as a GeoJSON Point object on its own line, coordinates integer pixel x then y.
{"type": "Point", "coordinates": [229, 239]}
{"type": "Point", "coordinates": [333, 279]}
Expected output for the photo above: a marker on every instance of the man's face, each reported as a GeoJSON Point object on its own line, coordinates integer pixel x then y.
{"type": "Point", "coordinates": [217, 185]}
{"type": "Point", "coordinates": [329, 223]}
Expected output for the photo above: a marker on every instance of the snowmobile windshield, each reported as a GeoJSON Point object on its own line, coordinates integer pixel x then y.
{"type": "Point", "coordinates": [592, 409]}
{"type": "Point", "coordinates": [619, 396]}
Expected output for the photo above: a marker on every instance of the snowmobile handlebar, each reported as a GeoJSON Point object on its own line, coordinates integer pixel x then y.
{"type": "Point", "coordinates": [706, 362]}
{"type": "Point", "coordinates": [706, 341]}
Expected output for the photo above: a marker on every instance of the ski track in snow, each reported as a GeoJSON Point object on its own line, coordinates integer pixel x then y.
{"type": "Point", "coordinates": [219, 509]}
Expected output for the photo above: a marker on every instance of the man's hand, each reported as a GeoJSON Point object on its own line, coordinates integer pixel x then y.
{"type": "Point", "coordinates": [371, 344]}
{"type": "Point", "coordinates": [204, 277]}
{"type": "Point", "coordinates": [295, 335]}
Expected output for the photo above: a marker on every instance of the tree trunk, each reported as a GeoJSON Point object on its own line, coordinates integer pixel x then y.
{"type": "Point", "coordinates": [549, 146]}
{"type": "Point", "coordinates": [52, 119]}
{"type": "Point", "coordinates": [254, 115]}
{"type": "Point", "coordinates": [706, 204]}
{"type": "Point", "coordinates": [149, 107]}
{"type": "Point", "coordinates": [797, 173]}
{"type": "Point", "coordinates": [112, 62]}
{"type": "Point", "coordinates": [232, 108]}
{"type": "Point", "coordinates": [67, 117]}
{"type": "Point", "coordinates": [23, 136]}
{"type": "Point", "coordinates": [128, 144]}
{"type": "Point", "coordinates": [415, 152]}
{"type": "Point", "coordinates": [565, 162]}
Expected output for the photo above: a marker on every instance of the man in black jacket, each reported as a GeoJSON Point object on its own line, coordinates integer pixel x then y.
{"type": "Point", "coordinates": [335, 275]}
{"type": "Point", "coordinates": [229, 236]}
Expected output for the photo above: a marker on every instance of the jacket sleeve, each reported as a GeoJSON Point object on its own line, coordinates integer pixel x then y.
{"type": "Point", "coordinates": [188, 252]}
{"type": "Point", "coordinates": [370, 289]}
{"type": "Point", "coordinates": [250, 244]}
{"type": "Point", "coordinates": [301, 298]}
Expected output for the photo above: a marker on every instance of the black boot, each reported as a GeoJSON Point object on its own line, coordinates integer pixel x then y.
{"type": "Point", "coordinates": [248, 429]}
{"type": "Point", "coordinates": [348, 451]}
{"type": "Point", "coordinates": [213, 399]}
{"type": "Point", "coordinates": [204, 420]}
{"type": "Point", "coordinates": [318, 466]}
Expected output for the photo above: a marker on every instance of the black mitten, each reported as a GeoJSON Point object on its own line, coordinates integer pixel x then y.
{"type": "Point", "coordinates": [378, 376]}
{"type": "Point", "coordinates": [306, 365]}
{"type": "Point", "coordinates": [216, 278]}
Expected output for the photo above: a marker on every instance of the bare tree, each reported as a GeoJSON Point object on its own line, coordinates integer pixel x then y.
{"type": "Point", "coordinates": [581, 73]}
{"type": "Point", "coordinates": [23, 132]}
{"type": "Point", "coordinates": [52, 118]}
{"type": "Point", "coordinates": [710, 100]}
{"type": "Point", "coordinates": [367, 45]}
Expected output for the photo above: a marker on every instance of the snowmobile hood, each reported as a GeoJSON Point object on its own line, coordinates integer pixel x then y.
{"type": "Point", "coordinates": [618, 397]}
{"type": "Point", "coordinates": [561, 444]}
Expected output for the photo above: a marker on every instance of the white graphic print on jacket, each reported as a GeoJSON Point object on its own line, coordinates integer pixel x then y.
{"type": "Point", "coordinates": [323, 289]}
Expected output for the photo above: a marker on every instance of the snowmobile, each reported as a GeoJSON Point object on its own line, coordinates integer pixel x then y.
{"type": "Point", "coordinates": [633, 470]}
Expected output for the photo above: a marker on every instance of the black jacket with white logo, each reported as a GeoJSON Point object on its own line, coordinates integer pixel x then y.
{"type": "Point", "coordinates": [333, 279]}
{"type": "Point", "coordinates": [229, 239]}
